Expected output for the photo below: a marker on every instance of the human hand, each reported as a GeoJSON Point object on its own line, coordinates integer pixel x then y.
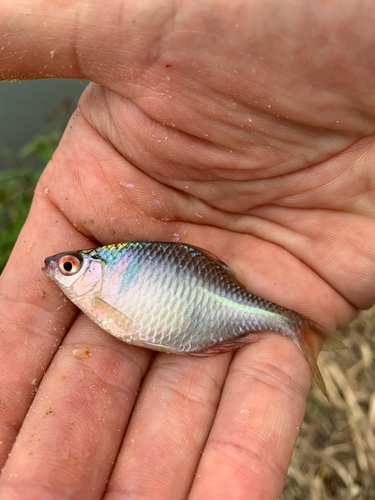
{"type": "Point", "coordinates": [245, 129]}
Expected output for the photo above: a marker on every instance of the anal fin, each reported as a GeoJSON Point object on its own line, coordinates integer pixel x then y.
{"type": "Point", "coordinates": [226, 345]}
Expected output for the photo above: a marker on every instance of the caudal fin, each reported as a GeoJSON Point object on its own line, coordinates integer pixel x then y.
{"type": "Point", "coordinates": [313, 336]}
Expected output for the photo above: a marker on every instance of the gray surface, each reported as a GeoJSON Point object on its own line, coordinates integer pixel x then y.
{"type": "Point", "coordinates": [35, 107]}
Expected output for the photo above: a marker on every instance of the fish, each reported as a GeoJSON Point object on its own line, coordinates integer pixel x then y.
{"type": "Point", "coordinates": [177, 298]}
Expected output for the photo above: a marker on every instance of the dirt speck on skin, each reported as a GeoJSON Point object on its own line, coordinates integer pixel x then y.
{"type": "Point", "coordinates": [82, 353]}
{"type": "Point", "coordinates": [245, 412]}
{"type": "Point", "coordinates": [127, 185]}
{"type": "Point", "coordinates": [29, 248]}
{"type": "Point", "coordinates": [41, 294]}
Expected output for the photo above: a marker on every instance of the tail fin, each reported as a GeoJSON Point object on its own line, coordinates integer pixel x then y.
{"type": "Point", "coordinates": [313, 336]}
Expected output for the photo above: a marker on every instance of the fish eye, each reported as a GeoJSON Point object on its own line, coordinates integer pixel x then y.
{"type": "Point", "coordinates": [69, 264]}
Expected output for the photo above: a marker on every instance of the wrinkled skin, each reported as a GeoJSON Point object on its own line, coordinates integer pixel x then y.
{"type": "Point", "coordinates": [245, 128]}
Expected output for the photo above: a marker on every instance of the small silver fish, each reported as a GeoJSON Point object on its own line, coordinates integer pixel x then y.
{"type": "Point", "coordinates": [176, 298]}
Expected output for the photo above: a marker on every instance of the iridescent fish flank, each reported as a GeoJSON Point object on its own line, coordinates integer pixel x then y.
{"type": "Point", "coordinates": [176, 298]}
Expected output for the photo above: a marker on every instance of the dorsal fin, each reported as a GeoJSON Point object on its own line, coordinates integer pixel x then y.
{"type": "Point", "coordinates": [215, 259]}
{"type": "Point", "coordinates": [220, 263]}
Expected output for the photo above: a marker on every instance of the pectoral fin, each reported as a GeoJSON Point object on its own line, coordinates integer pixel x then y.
{"type": "Point", "coordinates": [113, 314]}
{"type": "Point", "coordinates": [131, 335]}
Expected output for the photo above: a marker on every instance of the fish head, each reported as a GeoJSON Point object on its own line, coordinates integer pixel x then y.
{"type": "Point", "coordinates": [76, 273]}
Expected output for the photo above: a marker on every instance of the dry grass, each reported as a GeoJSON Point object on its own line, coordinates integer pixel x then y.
{"type": "Point", "coordinates": [334, 456]}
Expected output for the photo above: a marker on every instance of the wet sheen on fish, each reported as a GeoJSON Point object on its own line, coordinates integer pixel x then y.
{"type": "Point", "coordinates": [176, 298]}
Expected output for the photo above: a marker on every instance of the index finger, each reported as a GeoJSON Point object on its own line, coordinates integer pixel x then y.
{"type": "Point", "coordinates": [34, 314]}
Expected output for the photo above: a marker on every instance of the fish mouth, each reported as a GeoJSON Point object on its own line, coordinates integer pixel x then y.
{"type": "Point", "coordinates": [49, 266]}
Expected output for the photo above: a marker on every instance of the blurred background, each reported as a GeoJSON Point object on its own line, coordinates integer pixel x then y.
{"type": "Point", "coordinates": [33, 115]}
{"type": "Point", "coordinates": [334, 456]}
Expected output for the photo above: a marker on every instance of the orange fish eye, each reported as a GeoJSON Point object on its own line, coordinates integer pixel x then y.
{"type": "Point", "coordinates": [69, 265]}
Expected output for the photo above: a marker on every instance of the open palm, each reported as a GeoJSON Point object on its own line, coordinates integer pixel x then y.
{"type": "Point", "coordinates": [243, 129]}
